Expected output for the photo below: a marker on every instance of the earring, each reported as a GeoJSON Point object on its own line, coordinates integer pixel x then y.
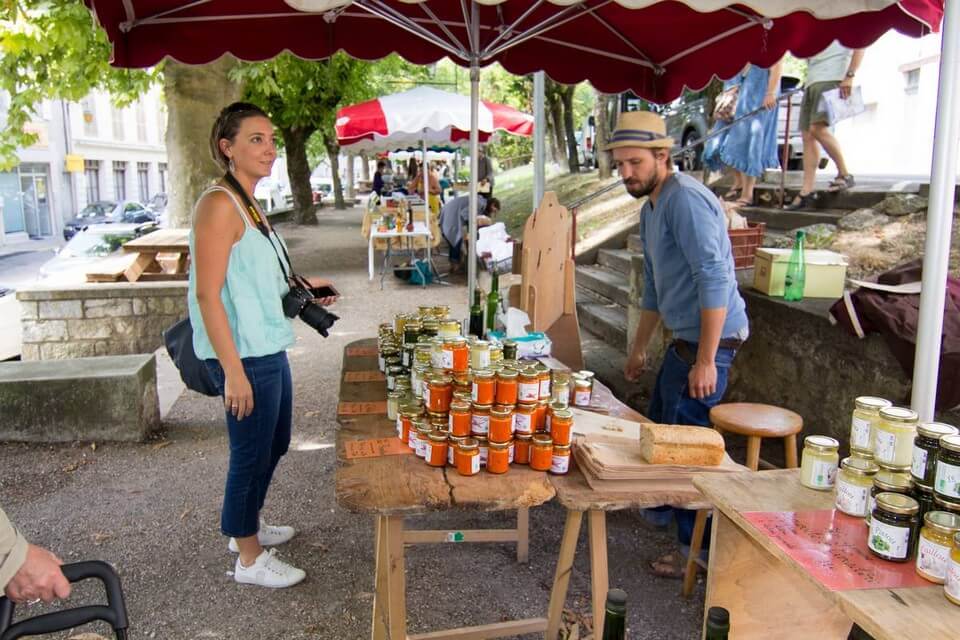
{"type": "Point", "coordinates": [232, 165]}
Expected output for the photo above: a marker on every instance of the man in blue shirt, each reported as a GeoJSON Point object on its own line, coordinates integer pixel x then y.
{"type": "Point", "coordinates": [689, 284]}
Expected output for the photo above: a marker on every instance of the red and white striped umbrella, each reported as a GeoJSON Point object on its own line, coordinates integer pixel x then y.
{"type": "Point", "coordinates": [423, 115]}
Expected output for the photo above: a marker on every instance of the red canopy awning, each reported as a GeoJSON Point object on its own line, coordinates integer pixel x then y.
{"type": "Point", "coordinates": [653, 48]}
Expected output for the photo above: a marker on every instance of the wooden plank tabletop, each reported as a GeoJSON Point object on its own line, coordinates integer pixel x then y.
{"type": "Point", "coordinates": [891, 614]}
{"type": "Point", "coordinates": [160, 241]}
{"type": "Point", "coordinates": [404, 484]}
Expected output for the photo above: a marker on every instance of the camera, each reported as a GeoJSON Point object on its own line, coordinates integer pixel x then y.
{"type": "Point", "coordinates": [299, 302]}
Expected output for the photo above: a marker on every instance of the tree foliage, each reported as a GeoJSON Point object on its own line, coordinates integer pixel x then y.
{"type": "Point", "coordinates": [53, 49]}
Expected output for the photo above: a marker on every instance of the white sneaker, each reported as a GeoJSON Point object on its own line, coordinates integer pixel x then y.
{"type": "Point", "coordinates": [268, 571]}
{"type": "Point", "coordinates": [269, 535]}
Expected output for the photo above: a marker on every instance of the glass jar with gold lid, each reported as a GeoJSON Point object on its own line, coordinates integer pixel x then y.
{"type": "Point", "coordinates": [946, 484]}
{"type": "Point", "coordinates": [866, 414]}
{"type": "Point", "coordinates": [926, 446]}
{"type": "Point", "coordinates": [479, 355]}
{"type": "Point", "coordinates": [893, 437]}
{"type": "Point", "coordinates": [891, 481]}
{"type": "Point", "coordinates": [819, 462]}
{"type": "Point", "coordinates": [935, 543]}
{"type": "Point", "coordinates": [951, 585]}
{"type": "Point", "coordinates": [893, 527]}
{"type": "Point", "coordinates": [449, 328]}
{"type": "Point", "coordinates": [854, 481]}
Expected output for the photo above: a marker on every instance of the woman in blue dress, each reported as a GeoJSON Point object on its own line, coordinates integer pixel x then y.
{"type": "Point", "coordinates": [750, 146]}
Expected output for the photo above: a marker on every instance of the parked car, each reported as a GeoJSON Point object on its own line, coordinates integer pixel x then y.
{"type": "Point", "coordinates": [9, 324]}
{"type": "Point", "coordinates": [87, 247]}
{"type": "Point", "coordinates": [107, 212]}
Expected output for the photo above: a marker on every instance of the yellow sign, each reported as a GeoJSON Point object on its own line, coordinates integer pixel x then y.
{"type": "Point", "coordinates": [74, 163]}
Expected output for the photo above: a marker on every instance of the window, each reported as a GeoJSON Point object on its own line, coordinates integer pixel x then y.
{"type": "Point", "coordinates": [141, 122]}
{"type": "Point", "coordinates": [163, 177]}
{"type": "Point", "coordinates": [91, 175]}
{"type": "Point", "coordinates": [143, 181]}
{"type": "Point", "coordinates": [119, 180]}
{"type": "Point", "coordinates": [118, 133]}
{"type": "Point", "coordinates": [912, 81]}
{"type": "Point", "coordinates": [89, 109]}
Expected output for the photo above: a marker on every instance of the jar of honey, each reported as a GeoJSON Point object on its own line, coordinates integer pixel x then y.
{"type": "Point", "coordinates": [459, 422]}
{"type": "Point", "coordinates": [525, 418]}
{"type": "Point", "coordinates": [507, 387]}
{"type": "Point", "coordinates": [560, 388]}
{"type": "Point", "coordinates": [561, 427]}
{"type": "Point", "coordinates": [543, 375]}
{"type": "Point", "coordinates": [456, 355]}
{"type": "Point", "coordinates": [480, 419]}
{"type": "Point", "coordinates": [498, 459]}
{"type": "Point", "coordinates": [449, 328]}
{"type": "Point", "coordinates": [935, 543]}
{"type": "Point", "coordinates": [496, 353]}
{"type": "Point", "coordinates": [560, 462]}
{"type": "Point", "coordinates": [541, 452]}
{"type": "Point", "coordinates": [501, 424]}
{"type": "Point", "coordinates": [521, 448]}
{"type": "Point", "coordinates": [467, 457]}
{"type": "Point", "coordinates": [484, 444]}
{"type": "Point", "coordinates": [893, 437]}
{"type": "Point", "coordinates": [529, 385]}
{"type": "Point", "coordinates": [484, 386]}
{"type": "Point", "coordinates": [437, 452]}
{"type": "Point", "coordinates": [951, 585]}
{"type": "Point", "coordinates": [439, 393]}
{"type": "Point", "coordinates": [479, 355]}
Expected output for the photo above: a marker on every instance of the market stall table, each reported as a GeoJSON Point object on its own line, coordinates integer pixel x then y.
{"type": "Point", "coordinates": [392, 487]}
{"type": "Point", "coordinates": [769, 593]}
{"type": "Point", "coordinates": [420, 230]}
{"type": "Point", "coordinates": [140, 260]}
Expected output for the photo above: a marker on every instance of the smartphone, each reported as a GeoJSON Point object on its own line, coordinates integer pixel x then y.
{"type": "Point", "coordinates": [325, 291]}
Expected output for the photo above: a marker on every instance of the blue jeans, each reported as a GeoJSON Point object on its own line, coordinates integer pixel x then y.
{"type": "Point", "coordinates": [671, 404]}
{"type": "Point", "coordinates": [456, 250]}
{"type": "Point", "coordinates": [257, 442]}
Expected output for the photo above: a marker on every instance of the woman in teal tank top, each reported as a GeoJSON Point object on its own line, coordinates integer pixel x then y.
{"type": "Point", "coordinates": [240, 331]}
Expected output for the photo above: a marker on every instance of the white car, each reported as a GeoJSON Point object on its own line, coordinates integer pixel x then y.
{"type": "Point", "coordinates": [90, 245]}
{"type": "Point", "coordinates": [9, 324]}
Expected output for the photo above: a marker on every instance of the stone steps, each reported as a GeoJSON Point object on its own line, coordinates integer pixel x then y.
{"type": "Point", "coordinates": [611, 285]}
{"type": "Point", "coordinates": [616, 260]}
{"type": "Point", "coordinates": [778, 219]}
{"type": "Point", "coordinates": [634, 244]}
{"type": "Point", "coordinates": [856, 198]}
{"type": "Point", "coordinates": [606, 321]}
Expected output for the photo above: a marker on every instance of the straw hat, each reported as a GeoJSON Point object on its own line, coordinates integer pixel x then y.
{"type": "Point", "coordinates": [640, 129]}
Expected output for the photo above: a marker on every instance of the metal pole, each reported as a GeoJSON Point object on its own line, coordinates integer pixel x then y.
{"type": "Point", "coordinates": [926, 364]}
{"type": "Point", "coordinates": [539, 138]}
{"type": "Point", "coordinates": [474, 150]}
{"type": "Point", "coordinates": [785, 160]}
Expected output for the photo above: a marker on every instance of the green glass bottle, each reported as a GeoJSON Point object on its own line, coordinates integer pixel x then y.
{"type": "Point", "coordinates": [718, 624]}
{"type": "Point", "coordinates": [615, 615]}
{"type": "Point", "coordinates": [796, 272]}
{"type": "Point", "coordinates": [493, 303]}
{"type": "Point", "coordinates": [476, 314]}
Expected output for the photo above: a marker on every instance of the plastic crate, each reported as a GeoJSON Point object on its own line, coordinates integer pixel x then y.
{"type": "Point", "coordinates": [745, 243]}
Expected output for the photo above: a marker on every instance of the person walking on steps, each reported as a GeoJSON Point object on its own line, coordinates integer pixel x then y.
{"type": "Point", "coordinates": [833, 68]}
{"type": "Point", "coordinates": [689, 285]}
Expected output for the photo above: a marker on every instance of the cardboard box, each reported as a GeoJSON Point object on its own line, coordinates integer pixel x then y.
{"type": "Point", "coordinates": [826, 272]}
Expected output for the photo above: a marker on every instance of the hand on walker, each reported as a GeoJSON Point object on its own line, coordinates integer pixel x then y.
{"type": "Point", "coordinates": [238, 395]}
{"type": "Point", "coordinates": [770, 101]}
{"type": "Point", "coordinates": [702, 380]}
{"type": "Point", "coordinates": [40, 578]}
{"type": "Point", "coordinates": [845, 87]}
{"type": "Point", "coordinates": [635, 365]}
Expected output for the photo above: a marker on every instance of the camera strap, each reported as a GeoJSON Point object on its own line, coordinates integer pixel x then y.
{"type": "Point", "coordinates": [258, 220]}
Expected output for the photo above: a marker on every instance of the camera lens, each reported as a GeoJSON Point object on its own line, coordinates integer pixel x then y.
{"type": "Point", "coordinates": [319, 318]}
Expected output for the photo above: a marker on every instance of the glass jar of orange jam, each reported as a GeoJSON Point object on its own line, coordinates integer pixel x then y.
{"type": "Point", "coordinates": [438, 394]}
{"type": "Point", "coordinates": [459, 422]}
{"type": "Point", "coordinates": [480, 419]}
{"type": "Point", "coordinates": [541, 452]}
{"type": "Point", "coordinates": [456, 355]}
{"type": "Point", "coordinates": [467, 457]}
{"type": "Point", "coordinates": [540, 416]}
{"type": "Point", "coordinates": [462, 396]}
{"type": "Point", "coordinates": [554, 407]}
{"type": "Point", "coordinates": [543, 375]}
{"type": "Point", "coordinates": [437, 453]}
{"type": "Point", "coordinates": [423, 439]}
{"type": "Point", "coordinates": [506, 387]}
{"type": "Point", "coordinates": [521, 448]}
{"type": "Point", "coordinates": [484, 386]}
{"type": "Point", "coordinates": [501, 424]}
{"type": "Point", "coordinates": [525, 418]}
{"type": "Point", "coordinates": [452, 443]}
{"type": "Point", "coordinates": [528, 389]}
{"type": "Point", "coordinates": [561, 426]}
{"type": "Point", "coordinates": [498, 458]}
{"type": "Point", "coordinates": [560, 462]}
{"type": "Point", "coordinates": [484, 449]}
{"type": "Point", "coordinates": [408, 413]}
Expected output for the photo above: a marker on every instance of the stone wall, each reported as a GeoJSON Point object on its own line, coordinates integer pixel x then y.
{"type": "Point", "coordinates": [98, 319]}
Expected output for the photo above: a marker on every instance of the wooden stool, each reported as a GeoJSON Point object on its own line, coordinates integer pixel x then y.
{"type": "Point", "coordinates": [756, 422]}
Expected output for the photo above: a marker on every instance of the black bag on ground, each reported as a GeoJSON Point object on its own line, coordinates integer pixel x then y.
{"type": "Point", "coordinates": [179, 342]}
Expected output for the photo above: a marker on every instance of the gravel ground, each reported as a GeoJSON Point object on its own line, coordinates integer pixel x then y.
{"type": "Point", "coordinates": [153, 509]}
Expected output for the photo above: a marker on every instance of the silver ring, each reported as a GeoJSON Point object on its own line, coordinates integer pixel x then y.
{"type": "Point", "coordinates": [34, 601]}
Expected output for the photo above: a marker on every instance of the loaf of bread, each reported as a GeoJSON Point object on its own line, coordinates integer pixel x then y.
{"type": "Point", "coordinates": [680, 445]}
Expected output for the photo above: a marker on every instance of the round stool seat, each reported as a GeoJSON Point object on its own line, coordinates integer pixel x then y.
{"type": "Point", "coordinates": [753, 419]}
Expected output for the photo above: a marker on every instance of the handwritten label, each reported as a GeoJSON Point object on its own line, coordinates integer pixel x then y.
{"type": "Point", "coordinates": [375, 448]}
{"type": "Point", "coordinates": [362, 408]}
{"type": "Point", "coordinates": [932, 558]}
{"type": "Point", "coordinates": [361, 352]}
{"type": "Point", "coordinates": [948, 479]}
{"type": "Point", "coordinates": [952, 583]}
{"type": "Point", "coordinates": [363, 376]}
{"type": "Point", "coordinates": [852, 499]}
{"type": "Point", "coordinates": [832, 548]}
{"type": "Point", "coordinates": [861, 433]}
{"type": "Point", "coordinates": [918, 468]}
{"type": "Point", "coordinates": [889, 540]}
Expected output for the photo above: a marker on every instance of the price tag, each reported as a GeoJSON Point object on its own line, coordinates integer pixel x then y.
{"type": "Point", "coordinates": [361, 352]}
{"type": "Point", "coordinates": [363, 376]}
{"type": "Point", "coordinates": [376, 448]}
{"type": "Point", "coordinates": [362, 408]}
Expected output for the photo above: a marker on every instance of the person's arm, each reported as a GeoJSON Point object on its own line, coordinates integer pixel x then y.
{"type": "Point", "coordinates": [13, 551]}
{"type": "Point", "coordinates": [28, 572]}
{"type": "Point", "coordinates": [217, 214]}
{"type": "Point", "coordinates": [773, 85]}
{"type": "Point", "coordinates": [846, 85]}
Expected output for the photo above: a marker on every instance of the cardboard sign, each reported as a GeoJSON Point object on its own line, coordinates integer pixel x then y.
{"type": "Point", "coordinates": [362, 408]}
{"type": "Point", "coordinates": [363, 376]}
{"type": "Point", "coordinates": [832, 547]}
{"type": "Point", "coordinates": [361, 352]}
{"type": "Point", "coordinates": [376, 448]}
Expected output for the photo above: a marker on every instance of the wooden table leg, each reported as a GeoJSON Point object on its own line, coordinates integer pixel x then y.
{"type": "Point", "coordinates": [396, 579]}
{"type": "Point", "coordinates": [380, 594]}
{"type": "Point", "coordinates": [561, 579]}
{"type": "Point", "coordinates": [696, 542]}
{"type": "Point", "coordinates": [599, 579]}
{"type": "Point", "coordinates": [523, 534]}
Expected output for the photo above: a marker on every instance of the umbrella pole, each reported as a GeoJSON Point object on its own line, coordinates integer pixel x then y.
{"type": "Point", "coordinates": [936, 257]}
{"type": "Point", "coordinates": [539, 139]}
{"type": "Point", "coordinates": [474, 151]}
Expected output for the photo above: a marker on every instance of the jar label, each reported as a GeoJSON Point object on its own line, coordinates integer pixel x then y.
{"type": "Point", "coordinates": [450, 452]}
{"type": "Point", "coordinates": [405, 359]}
{"type": "Point", "coordinates": [484, 451]}
{"type": "Point", "coordinates": [860, 433]}
{"type": "Point", "coordinates": [422, 446]}
{"type": "Point", "coordinates": [886, 447]}
{"type": "Point", "coordinates": [889, 540]}
{"type": "Point", "coordinates": [529, 391]}
{"type": "Point", "coordinates": [582, 398]}
{"type": "Point", "coordinates": [446, 359]}
{"type": "Point", "coordinates": [546, 422]}
{"type": "Point", "coordinates": [391, 382]}
{"type": "Point", "coordinates": [871, 503]}
{"type": "Point", "coordinates": [475, 392]}
{"type": "Point", "coordinates": [952, 582]}
{"type": "Point", "coordinates": [523, 422]}
{"type": "Point", "coordinates": [510, 454]}
{"type": "Point", "coordinates": [545, 389]}
{"type": "Point", "coordinates": [560, 464]}
{"type": "Point", "coordinates": [481, 359]}
{"type": "Point", "coordinates": [948, 479]}
{"type": "Point", "coordinates": [823, 474]}
{"type": "Point", "coordinates": [399, 427]}
{"type": "Point", "coordinates": [474, 464]}
{"type": "Point", "coordinates": [919, 466]}
{"type": "Point", "coordinates": [480, 424]}
{"type": "Point", "coordinates": [381, 363]}
{"type": "Point", "coordinates": [932, 558]}
{"type": "Point", "coordinates": [426, 394]}
{"type": "Point", "coordinates": [852, 499]}
{"type": "Point", "coordinates": [412, 440]}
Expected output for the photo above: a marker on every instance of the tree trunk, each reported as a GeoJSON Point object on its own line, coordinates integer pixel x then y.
{"type": "Point", "coordinates": [554, 108]}
{"type": "Point", "coordinates": [195, 94]}
{"type": "Point", "coordinates": [333, 154]}
{"type": "Point", "coordinates": [572, 156]}
{"type": "Point", "coordinates": [298, 170]}
{"type": "Point", "coordinates": [351, 190]}
{"type": "Point", "coordinates": [602, 133]}
{"type": "Point", "coordinates": [364, 167]}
